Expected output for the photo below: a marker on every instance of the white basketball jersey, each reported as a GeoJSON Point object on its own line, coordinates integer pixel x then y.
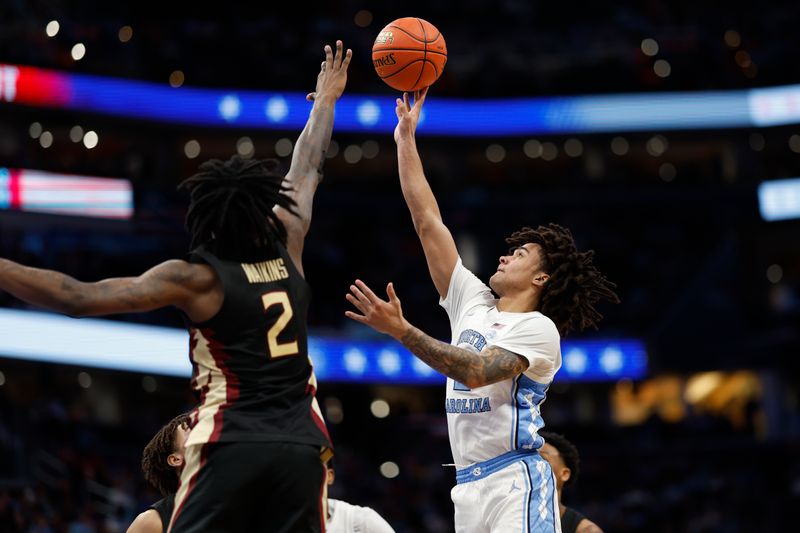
{"type": "Point", "coordinates": [348, 518]}
{"type": "Point", "coordinates": [489, 421]}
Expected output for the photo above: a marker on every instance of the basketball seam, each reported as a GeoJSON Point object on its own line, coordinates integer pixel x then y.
{"type": "Point", "coordinates": [382, 50]}
{"type": "Point", "coordinates": [424, 52]}
{"type": "Point", "coordinates": [424, 37]}
{"type": "Point", "coordinates": [404, 67]}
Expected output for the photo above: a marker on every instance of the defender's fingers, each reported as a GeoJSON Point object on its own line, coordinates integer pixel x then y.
{"type": "Point", "coordinates": [373, 298]}
{"type": "Point", "coordinates": [337, 60]}
{"type": "Point", "coordinates": [407, 101]}
{"type": "Point", "coordinates": [328, 55]}
{"type": "Point", "coordinates": [347, 57]}
{"type": "Point", "coordinates": [358, 293]}
{"type": "Point", "coordinates": [353, 300]}
{"type": "Point", "coordinates": [310, 96]}
{"type": "Point", "coordinates": [392, 295]}
{"type": "Point", "coordinates": [354, 316]}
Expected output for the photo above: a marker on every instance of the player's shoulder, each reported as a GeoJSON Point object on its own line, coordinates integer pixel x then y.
{"type": "Point", "coordinates": [196, 275]}
{"type": "Point", "coordinates": [147, 522]}
{"type": "Point", "coordinates": [542, 323]}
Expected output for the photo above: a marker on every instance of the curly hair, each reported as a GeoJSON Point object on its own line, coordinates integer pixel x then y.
{"type": "Point", "coordinates": [231, 206]}
{"type": "Point", "coordinates": [567, 451]}
{"type": "Point", "coordinates": [154, 458]}
{"type": "Point", "coordinates": [575, 285]}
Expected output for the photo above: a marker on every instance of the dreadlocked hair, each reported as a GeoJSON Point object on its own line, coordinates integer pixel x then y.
{"type": "Point", "coordinates": [154, 458]}
{"type": "Point", "coordinates": [575, 285]}
{"type": "Point", "coordinates": [231, 207]}
{"type": "Point", "coordinates": [567, 451]}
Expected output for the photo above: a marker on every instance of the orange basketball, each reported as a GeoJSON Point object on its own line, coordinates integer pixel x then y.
{"type": "Point", "coordinates": [409, 54]}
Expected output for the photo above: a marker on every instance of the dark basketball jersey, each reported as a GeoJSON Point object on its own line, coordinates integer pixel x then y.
{"type": "Point", "coordinates": [570, 520]}
{"type": "Point", "coordinates": [164, 508]}
{"type": "Point", "coordinates": [251, 370]}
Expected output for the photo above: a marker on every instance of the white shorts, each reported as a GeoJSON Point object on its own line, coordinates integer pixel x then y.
{"type": "Point", "coordinates": [515, 492]}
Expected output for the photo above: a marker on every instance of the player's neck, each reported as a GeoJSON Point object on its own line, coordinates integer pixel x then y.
{"type": "Point", "coordinates": [518, 303]}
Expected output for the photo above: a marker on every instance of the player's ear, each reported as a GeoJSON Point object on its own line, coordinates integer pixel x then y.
{"type": "Point", "coordinates": [331, 475]}
{"type": "Point", "coordinates": [175, 460]}
{"type": "Point", "coordinates": [565, 474]}
{"type": "Point", "coordinates": [539, 279]}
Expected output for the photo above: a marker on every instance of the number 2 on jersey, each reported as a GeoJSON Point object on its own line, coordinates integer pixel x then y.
{"type": "Point", "coordinates": [277, 349]}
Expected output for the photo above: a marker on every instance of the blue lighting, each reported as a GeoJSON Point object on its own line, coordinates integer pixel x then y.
{"type": "Point", "coordinates": [444, 116]}
{"type": "Point", "coordinates": [159, 350]}
{"type": "Point", "coordinates": [779, 199]}
{"type": "Point", "coordinates": [375, 113]}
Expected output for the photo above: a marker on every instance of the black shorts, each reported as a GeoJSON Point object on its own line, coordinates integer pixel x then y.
{"type": "Point", "coordinates": [250, 487]}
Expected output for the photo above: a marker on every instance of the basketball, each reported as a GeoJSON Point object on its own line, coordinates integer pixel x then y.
{"type": "Point", "coordinates": [409, 54]}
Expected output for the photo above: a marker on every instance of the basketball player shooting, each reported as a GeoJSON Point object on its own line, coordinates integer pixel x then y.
{"type": "Point", "coordinates": [504, 354]}
{"type": "Point", "coordinates": [258, 433]}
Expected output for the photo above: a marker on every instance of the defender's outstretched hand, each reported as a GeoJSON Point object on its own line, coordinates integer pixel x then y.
{"type": "Point", "coordinates": [380, 315]}
{"type": "Point", "coordinates": [408, 115]}
{"type": "Point", "coordinates": [333, 75]}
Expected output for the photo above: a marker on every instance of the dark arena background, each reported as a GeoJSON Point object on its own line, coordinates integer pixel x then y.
{"type": "Point", "coordinates": [666, 135]}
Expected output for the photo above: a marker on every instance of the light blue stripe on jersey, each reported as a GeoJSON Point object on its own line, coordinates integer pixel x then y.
{"type": "Point", "coordinates": [541, 503]}
{"type": "Point", "coordinates": [529, 396]}
{"type": "Point", "coordinates": [484, 468]}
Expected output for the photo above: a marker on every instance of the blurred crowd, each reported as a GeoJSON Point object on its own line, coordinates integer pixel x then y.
{"type": "Point", "coordinates": [69, 457]}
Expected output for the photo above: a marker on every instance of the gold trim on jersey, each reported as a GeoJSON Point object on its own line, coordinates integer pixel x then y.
{"type": "Point", "coordinates": [192, 459]}
{"type": "Point", "coordinates": [211, 376]}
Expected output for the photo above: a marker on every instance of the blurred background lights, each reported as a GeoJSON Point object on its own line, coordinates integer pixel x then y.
{"type": "Point", "coordinates": [390, 470]}
{"type": "Point", "coordinates": [52, 28]}
{"type": "Point", "coordinates": [379, 408]}
{"type": "Point", "coordinates": [191, 149]}
{"type": "Point", "coordinates": [78, 51]}
{"type": "Point", "coordinates": [649, 47]}
{"type": "Point", "coordinates": [125, 34]}
{"type": "Point", "coordinates": [283, 147]}
{"type": "Point", "coordinates": [90, 139]}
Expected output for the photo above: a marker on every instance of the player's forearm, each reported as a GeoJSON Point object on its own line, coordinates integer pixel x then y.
{"type": "Point", "coordinates": [313, 142]}
{"type": "Point", "coordinates": [471, 369]}
{"type": "Point", "coordinates": [44, 288]}
{"type": "Point", "coordinates": [416, 190]}
{"type": "Point", "coordinates": [309, 158]}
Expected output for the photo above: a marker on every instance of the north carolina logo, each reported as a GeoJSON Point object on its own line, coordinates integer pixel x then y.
{"type": "Point", "coordinates": [473, 338]}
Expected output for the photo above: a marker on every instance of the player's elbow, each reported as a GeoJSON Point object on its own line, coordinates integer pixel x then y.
{"type": "Point", "coordinates": [75, 309]}
{"type": "Point", "coordinates": [427, 224]}
{"type": "Point", "coordinates": [474, 382]}
{"type": "Point", "coordinates": [77, 306]}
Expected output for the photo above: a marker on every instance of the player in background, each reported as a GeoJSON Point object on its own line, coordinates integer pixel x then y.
{"type": "Point", "coordinates": [565, 462]}
{"type": "Point", "coordinates": [257, 434]}
{"type": "Point", "coordinates": [343, 517]}
{"type": "Point", "coordinates": [162, 463]}
{"type": "Point", "coordinates": [504, 354]}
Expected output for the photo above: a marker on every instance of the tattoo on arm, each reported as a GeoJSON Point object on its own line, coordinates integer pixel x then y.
{"type": "Point", "coordinates": [59, 292]}
{"type": "Point", "coordinates": [309, 154]}
{"type": "Point", "coordinates": [472, 369]}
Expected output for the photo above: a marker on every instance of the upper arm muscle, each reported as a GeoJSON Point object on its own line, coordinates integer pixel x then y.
{"type": "Point", "coordinates": [170, 283]}
{"type": "Point", "coordinates": [302, 192]}
{"type": "Point", "coordinates": [440, 253]}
